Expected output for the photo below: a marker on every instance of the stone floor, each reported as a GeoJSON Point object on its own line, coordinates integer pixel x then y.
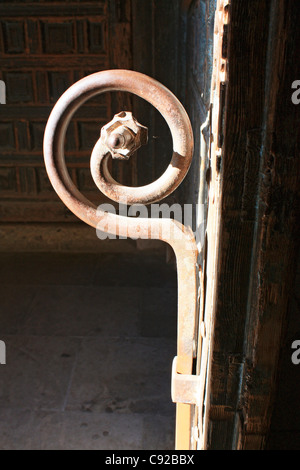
{"type": "Point", "coordinates": [89, 346]}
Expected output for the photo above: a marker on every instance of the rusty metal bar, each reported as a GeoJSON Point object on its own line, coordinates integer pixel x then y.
{"type": "Point", "coordinates": [185, 388]}
{"type": "Point", "coordinates": [121, 139]}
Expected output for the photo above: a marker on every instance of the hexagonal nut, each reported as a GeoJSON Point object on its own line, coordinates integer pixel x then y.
{"type": "Point", "coordinates": [124, 135]}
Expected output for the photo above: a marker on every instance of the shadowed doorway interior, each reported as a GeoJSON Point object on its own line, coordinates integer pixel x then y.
{"type": "Point", "coordinates": [90, 341]}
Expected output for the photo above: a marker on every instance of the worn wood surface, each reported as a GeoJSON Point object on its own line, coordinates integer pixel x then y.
{"type": "Point", "coordinates": [277, 235]}
{"type": "Point", "coordinates": [258, 220]}
{"type": "Point", "coordinates": [200, 86]}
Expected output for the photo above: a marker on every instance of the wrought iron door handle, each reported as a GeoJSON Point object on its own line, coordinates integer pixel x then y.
{"type": "Point", "coordinates": [119, 141]}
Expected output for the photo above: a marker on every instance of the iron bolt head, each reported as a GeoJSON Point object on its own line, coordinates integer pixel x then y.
{"type": "Point", "coordinates": [123, 135]}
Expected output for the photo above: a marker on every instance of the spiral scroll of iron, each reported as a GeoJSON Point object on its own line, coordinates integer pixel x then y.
{"type": "Point", "coordinates": [120, 139]}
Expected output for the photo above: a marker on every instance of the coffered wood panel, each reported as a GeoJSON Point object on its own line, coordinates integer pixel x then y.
{"type": "Point", "coordinates": [44, 48]}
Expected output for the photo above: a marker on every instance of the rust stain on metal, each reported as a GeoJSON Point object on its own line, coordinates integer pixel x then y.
{"type": "Point", "coordinates": [123, 135]}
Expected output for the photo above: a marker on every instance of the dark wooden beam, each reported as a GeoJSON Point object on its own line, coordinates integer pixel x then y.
{"type": "Point", "coordinates": [277, 234]}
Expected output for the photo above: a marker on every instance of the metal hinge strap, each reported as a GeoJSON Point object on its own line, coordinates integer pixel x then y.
{"type": "Point", "coordinates": [185, 388]}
